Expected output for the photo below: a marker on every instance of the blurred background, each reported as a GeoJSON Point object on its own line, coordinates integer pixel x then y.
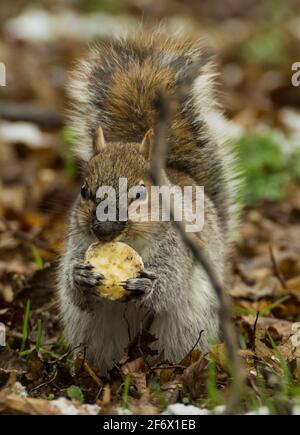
{"type": "Point", "coordinates": [256, 43]}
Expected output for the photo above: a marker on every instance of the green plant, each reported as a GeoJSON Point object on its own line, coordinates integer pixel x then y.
{"type": "Point", "coordinates": [25, 326]}
{"type": "Point", "coordinates": [156, 391]}
{"type": "Point", "coordinates": [75, 393]}
{"type": "Point", "coordinates": [126, 390]}
{"type": "Point", "coordinates": [69, 160]}
{"type": "Point", "coordinates": [214, 396]}
{"type": "Point", "coordinates": [265, 167]}
{"type": "Point", "coordinates": [36, 256]}
{"type": "Point", "coordinates": [39, 336]}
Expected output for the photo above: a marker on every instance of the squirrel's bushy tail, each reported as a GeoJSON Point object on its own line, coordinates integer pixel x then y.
{"type": "Point", "coordinates": [115, 88]}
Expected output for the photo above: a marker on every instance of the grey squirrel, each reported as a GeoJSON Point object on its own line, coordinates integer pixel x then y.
{"type": "Point", "coordinates": [112, 93]}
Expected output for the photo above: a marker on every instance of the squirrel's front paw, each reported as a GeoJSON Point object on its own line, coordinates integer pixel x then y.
{"type": "Point", "coordinates": [86, 282]}
{"type": "Point", "coordinates": [141, 287]}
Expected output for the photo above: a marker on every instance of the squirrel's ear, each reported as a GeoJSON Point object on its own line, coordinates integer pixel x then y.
{"type": "Point", "coordinates": [145, 146]}
{"type": "Point", "coordinates": [99, 143]}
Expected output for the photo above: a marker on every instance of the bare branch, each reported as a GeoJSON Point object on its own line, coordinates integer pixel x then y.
{"type": "Point", "coordinates": [276, 270]}
{"type": "Point", "coordinates": [158, 177]}
{"type": "Point", "coordinates": [44, 117]}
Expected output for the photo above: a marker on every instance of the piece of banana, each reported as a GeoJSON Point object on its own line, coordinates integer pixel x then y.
{"type": "Point", "coordinates": [117, 262]}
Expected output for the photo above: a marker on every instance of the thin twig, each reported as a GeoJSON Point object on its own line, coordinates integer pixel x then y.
{"type": "Point", "coordinates": [92, 374]}
{"type": "Point", "coordinates": [149, 318]}
{"type": "Point", "coordinates": [64, 356]}
{"type": "Point", "coordinates": [276, 270]}
{"type": "Point", "coordinates": [83, 358]}
{"type": "Point", "coordinates": [158, 178]}
{"type": "Point", "coordinates": [254, 331]}
{"type": "Point", "coordinates": [47, 382]}
{"type": "Point", "coordinates": [189, 354]}
{"type": "Point", "coordinates": [99, 393]}
{"type": "Point", "coordinates": [127, 323]}
{"type": "Point", "coordinates": [170, 366]}
{"type": "Point", "coordinates": [43, 116]}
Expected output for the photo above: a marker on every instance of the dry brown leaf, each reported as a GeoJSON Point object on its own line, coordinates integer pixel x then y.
{"type": "Point", "coordinates": [194, 378]}
{"type": "Point", "coordinates": [255, 292]}
{"type": "Point", "coordinates": [10, 362]}
{"type": "Point", "coordinates": [171, 390]}
{"type": "Point", "coordinates": [134, 366]}
{"type": "Point", "coordinates": [293, 287]}
{"type": "Point", "coordinates": [14, 401]}
{"type": "Point", "coordinates": [165, 375]}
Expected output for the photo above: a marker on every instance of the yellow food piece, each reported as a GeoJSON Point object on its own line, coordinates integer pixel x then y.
{"type": "Point", "coordinates": [117, 262]}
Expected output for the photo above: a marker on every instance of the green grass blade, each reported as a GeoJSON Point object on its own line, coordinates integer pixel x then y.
{"type": "Point", "coordinates": [39, 336]}
{"type": "Point", "coordinates": [126, 390]}
{"type": "Point", "coordinates": [214, 396]}
{"type": "Point", "coordinates": [275, 304]}
{"type": "Point", "coordinates": [25, 326]}
{"type": "Point", "coordinates": [36, 256]}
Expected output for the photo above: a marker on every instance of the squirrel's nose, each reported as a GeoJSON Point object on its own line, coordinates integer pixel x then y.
{"type": "Point", "coordinates": [107, 230]}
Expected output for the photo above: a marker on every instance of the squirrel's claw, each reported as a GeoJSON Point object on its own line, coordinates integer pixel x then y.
{"type": "Point", "coordinates": [86, 280]}
{"type": "Point", "coordinates": [147, 274]}
{"type": "Point", "coordinates": [83, 266]}
{"type": "Point", "coordinates": [140, 287]}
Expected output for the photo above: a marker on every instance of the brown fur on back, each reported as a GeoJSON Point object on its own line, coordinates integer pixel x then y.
{"type": "Point", "coordinates": [115, 88]}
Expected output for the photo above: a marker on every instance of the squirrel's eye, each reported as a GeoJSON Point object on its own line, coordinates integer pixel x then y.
{"type": "Point", "coordinates": [84, 190]}
{"type": "Point", "coordinates": [141, 193]}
